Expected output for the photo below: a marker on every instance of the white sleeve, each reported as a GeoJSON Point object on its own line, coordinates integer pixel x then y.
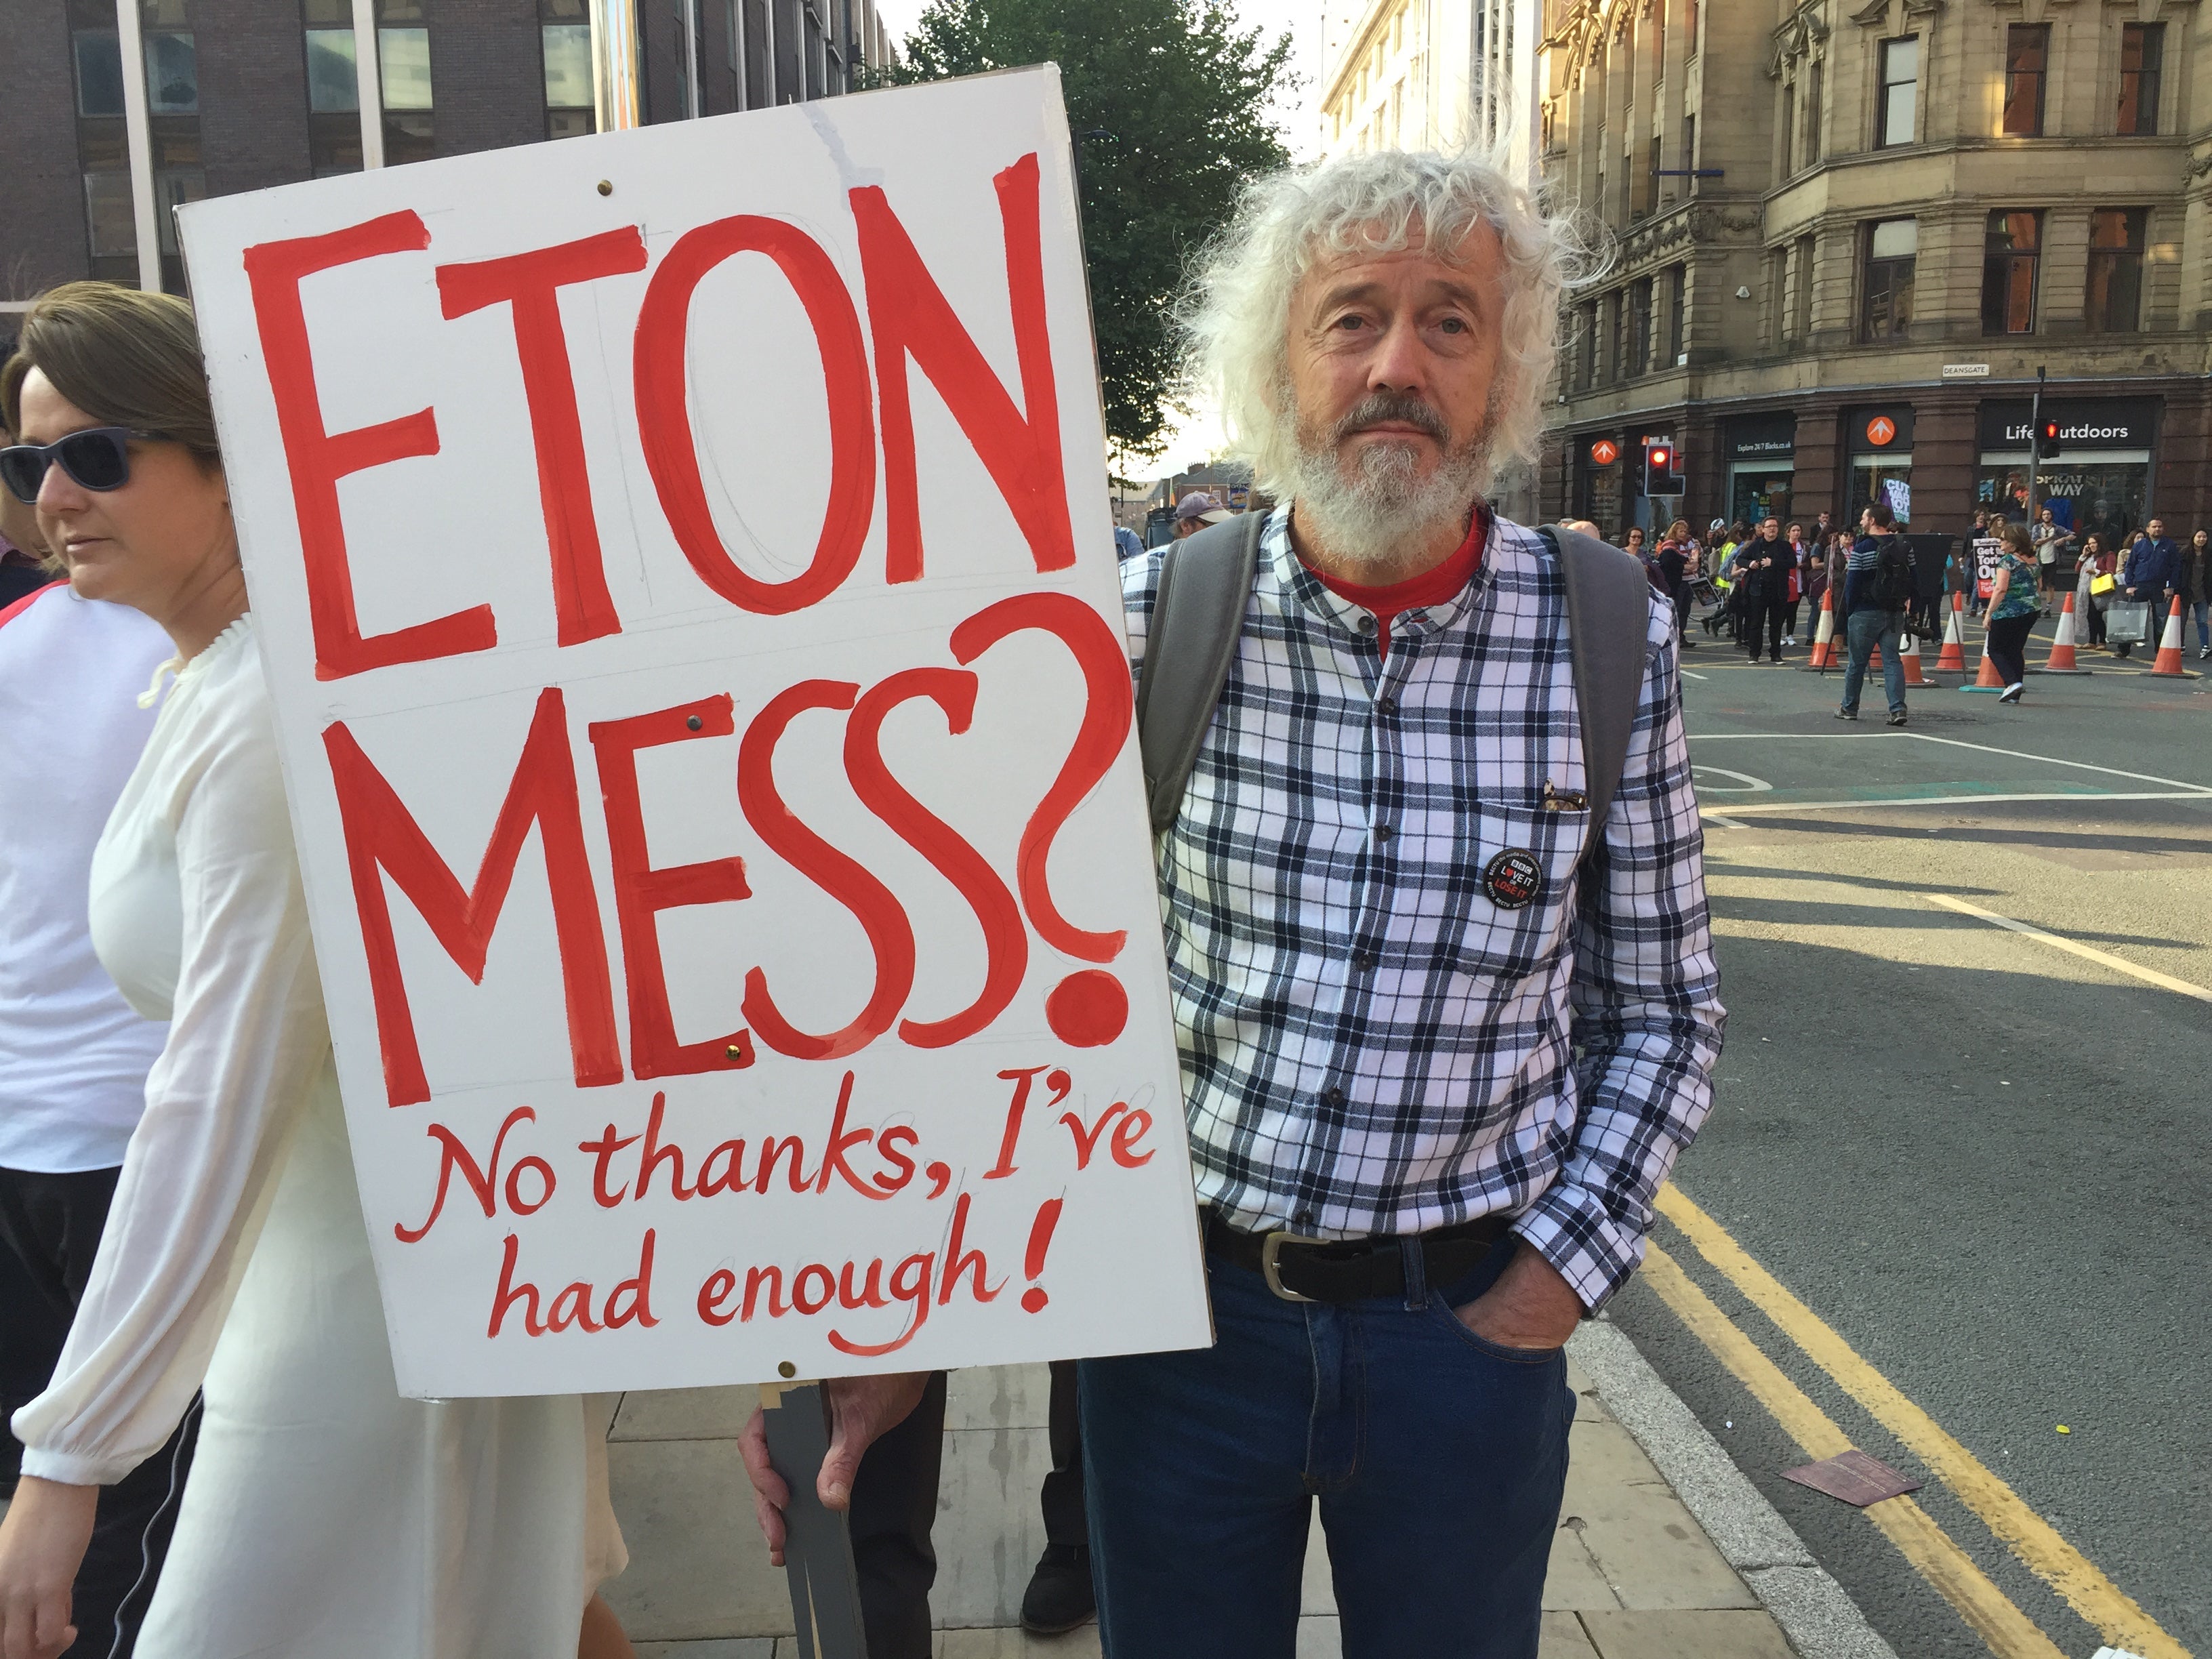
{"type": "Point", "coordinates": [247, 1040]}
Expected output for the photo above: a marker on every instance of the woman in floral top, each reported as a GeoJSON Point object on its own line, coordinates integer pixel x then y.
{"type": "Point", "coordinates": [2014, 607]}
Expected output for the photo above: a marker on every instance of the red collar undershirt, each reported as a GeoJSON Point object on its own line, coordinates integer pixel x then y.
{"type": "Point", "coordinates": [1415, 592]}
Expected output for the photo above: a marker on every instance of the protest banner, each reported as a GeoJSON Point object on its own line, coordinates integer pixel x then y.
{"type": "Point", "coordinates": [1988, 550]}
{"type": "Point", "coordinates": [683, 568]}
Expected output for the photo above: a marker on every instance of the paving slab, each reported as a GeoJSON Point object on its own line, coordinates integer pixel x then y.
{"type": "Point", "coordinates": [1702, 1634]}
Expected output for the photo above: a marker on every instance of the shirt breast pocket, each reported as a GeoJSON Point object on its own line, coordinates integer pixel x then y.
{"type": "Point", "coordinates": [1520, 872]}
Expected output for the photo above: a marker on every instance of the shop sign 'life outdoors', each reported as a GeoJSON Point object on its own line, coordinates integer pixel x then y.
{"type": "Point", "coordinates": [684, 570]}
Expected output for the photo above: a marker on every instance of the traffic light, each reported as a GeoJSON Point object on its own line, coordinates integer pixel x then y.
{"type": "Point", "coordinates": [1663, 467]}
{"type": "Point", "coordinates": [2046, 437]}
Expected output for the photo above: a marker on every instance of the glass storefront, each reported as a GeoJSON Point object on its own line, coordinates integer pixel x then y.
{"type": "Point", "coordinates": [2099, 480]}
{"type": "Point", "coordinates": [2107, 491]}
{"type": "Point", "coordinates": [1881, 478]}
{"type": "Point", "coordinates": [1881, 444]}
{"type": "Point", "coordinates": [1759, 490]}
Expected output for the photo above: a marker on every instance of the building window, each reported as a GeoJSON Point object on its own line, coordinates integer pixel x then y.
{"type": "Point", "coordinates": [2008, 261]}
{"type": "Point", "coordinates": [1887, 311]}
{"type": "Point", "coordinates": [1813, 74]}
{"type": "Point", "coordinates": [96, 59]}
{"type": "Point", "coordinates": [1789, 128]}
{"type": "Point", "coordinates": [2027, 53]}
{"type": "Point", "coordinates": [173, 81]}
{"type": "Point", "coordinates": [2142, 55]}
{"type": "Point", "coordinates": [2113, 304]}
{"type": "Point", "coordinates": [333, 88]}
{"type": "Point", "coordinates": [1678, 283]}
{"type": "Point", "coordinates": [403, 66]}
{"type": "Point", "coordinates": [98, 72]}
{"type": "Point", "coordinates": [1690, 148]}
{"type": "Point", "coordinates": [1618, 302]}
{"type": "Point", "coordinates": [565, 32]}
{"type": "Point", "coordinates": [1899, 109]}
{"type": "Point", "coordinates": [1585, 347]}
{"type": "Point", "coordinates": [109, 220]}
{"type": "Point", "coordinates": [1802, 327]}
{"type": "Point", "coordinates": [1639, 327]}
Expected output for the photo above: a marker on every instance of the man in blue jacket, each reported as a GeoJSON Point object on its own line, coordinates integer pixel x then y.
{"type": "Point", "coordinates": [2153, 572]}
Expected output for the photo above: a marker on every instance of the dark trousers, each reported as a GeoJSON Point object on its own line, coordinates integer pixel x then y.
{"type": "Point", "coordinates": [1439, 1461]}
{"type": "Point", "coordinates": [1762, 615]}
{"type": "Point", "coordinates": [2007, 643]}
{"type": "Point", "coordinates": [1790, 619]}
{"type": "Point", "coordinates": [894, 1506]}
{"type": "Point", "coordinates": [51, 1224]}
{"type": "Point", "coordinates": [1061, 1496]}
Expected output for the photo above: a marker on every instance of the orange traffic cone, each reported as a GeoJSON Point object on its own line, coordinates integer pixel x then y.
{"type": "Point", "coordinates": [1908, 654]}
{"type": "Point", "coordinates": [1823, 636]}
{"type": "Point", "coordinates": [2169, 646]}
{"type": "Point", "coordinates": [1953, 656]}
{"type": "Point", "coordinates": [1988, 680]}
{"type": "Point", "coordinates": [2061, 648]}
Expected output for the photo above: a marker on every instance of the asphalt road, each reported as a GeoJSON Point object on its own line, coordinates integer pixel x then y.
{"type": "Point", "coordinates": [1985, 1162]}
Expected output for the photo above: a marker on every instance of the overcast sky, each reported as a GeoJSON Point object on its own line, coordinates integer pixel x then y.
{"type": "Point", "coordinates": [1199, 437]}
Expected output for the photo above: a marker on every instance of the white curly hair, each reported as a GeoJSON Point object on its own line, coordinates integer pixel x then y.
{"type": "Point", "coordinates": [1235, 311]}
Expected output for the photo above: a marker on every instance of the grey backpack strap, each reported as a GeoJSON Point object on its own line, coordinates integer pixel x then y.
{"type": "Point", "coordinates": [1608, 612]}
{"type": "Point", "coordinates": [1197, 617]}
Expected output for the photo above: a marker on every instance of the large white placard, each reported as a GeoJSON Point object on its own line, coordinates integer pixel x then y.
{"type": "Point", "coordinates": [683, 568]}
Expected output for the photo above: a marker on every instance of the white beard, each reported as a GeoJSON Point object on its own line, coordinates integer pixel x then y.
{"type": "Point", "coordinates": [1374, 514]}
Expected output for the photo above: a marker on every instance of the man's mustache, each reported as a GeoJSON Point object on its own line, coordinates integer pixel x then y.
{"type": "Point", "coordinates": [1402, 407]}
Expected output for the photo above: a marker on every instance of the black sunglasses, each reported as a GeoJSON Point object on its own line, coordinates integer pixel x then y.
{"type": "Point", "coordinates": [98, 458]}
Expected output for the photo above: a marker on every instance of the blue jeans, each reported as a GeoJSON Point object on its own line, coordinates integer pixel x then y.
{"type": "Point", "coordinates": [1439, 1460]}
{"type": "Point", "coordinates": [1864, 630]}
{"type": "Point", "coordinates": [2203, 612]}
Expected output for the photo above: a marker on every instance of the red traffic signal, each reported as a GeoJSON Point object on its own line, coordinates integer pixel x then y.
{"type": "Point", "coordinates": [1662, 468]}
{"type": "Point", "coordinates": [2046, 437]}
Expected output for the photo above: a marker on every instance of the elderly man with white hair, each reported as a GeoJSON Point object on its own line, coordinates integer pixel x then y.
{"type": "Point", "coordinates": [1391, 926]}
{"type": "Point", "coordinates": [1445, 996]}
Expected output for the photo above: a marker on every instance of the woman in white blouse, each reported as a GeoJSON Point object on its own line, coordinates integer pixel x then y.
{"type": "Point", "coordinates": [324, 1516]}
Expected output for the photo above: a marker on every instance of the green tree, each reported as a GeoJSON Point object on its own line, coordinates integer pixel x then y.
{"type": "Point", "coordinates": [1188, 99]}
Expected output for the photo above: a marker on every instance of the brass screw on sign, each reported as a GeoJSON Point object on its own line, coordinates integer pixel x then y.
{"type": "Point", "coordinates": [606, 187]}
{"type": "Point", "coordinates": [784, 1368]}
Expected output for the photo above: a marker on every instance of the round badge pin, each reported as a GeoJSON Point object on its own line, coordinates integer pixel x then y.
{"type": "Point", "coordinates": [1513, 879]}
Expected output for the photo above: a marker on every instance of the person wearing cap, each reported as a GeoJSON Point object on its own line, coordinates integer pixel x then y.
{"type": "Point", "coordinates": [1197, 510]}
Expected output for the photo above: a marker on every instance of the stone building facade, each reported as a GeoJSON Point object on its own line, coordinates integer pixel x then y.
{"type": "Point", "coordinates": [1431, 75]}
{"type": "Point", "coordinates": [231, 95]}
{"type": "Point", "coordinates": [1847, 234]}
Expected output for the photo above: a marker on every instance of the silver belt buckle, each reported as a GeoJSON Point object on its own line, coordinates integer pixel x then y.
{"type": "Point", "coordinates": [1271, 1249]}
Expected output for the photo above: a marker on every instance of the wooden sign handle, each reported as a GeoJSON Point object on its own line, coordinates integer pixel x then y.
{"type": "Point", "coordinates": [818, 1549]}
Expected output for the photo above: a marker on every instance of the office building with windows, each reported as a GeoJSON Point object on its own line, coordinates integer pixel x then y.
{"type": "Point", "coordinates": [120, 110]}
{"type": "Point", "coordinates": [1430, 75]}
{"type": "Point", "coordinates": [1848, 232]}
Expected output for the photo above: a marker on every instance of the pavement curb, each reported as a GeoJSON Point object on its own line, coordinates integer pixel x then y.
{"type": "Point", "coordinates": [1819, 1620]}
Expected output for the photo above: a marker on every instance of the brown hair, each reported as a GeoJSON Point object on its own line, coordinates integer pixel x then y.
{"type": "Point", "coordinates": [2016, 541]}
{"type": "Point", "coordinates": [123, 357]}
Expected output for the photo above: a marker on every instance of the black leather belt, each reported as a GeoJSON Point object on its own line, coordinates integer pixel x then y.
{"type": "Point", "coordinates": [1301, 1269]}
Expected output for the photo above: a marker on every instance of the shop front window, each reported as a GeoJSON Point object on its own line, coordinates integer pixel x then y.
{"type": "Point", "coordinates": [2107, 495]}
{"type": "Point", "coordinates": [1881, 478]}
{"type": "Point", "coordinates": [1759, 492]}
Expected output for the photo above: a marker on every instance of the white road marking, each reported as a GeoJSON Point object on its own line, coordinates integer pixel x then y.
{"type": "Point", "coordinates": [2053, 760]}
{"type": "Point", "coordinates": [2165, 981]}
{"type": "Point", "coordinates": [1747, 784]}
{"type": "Point", "coordinates": [1692, 674]}
{"type": "Point", "coordinates": [1886, 803]}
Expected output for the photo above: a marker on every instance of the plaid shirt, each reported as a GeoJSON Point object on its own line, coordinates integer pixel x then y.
{"type": "Point", "coordinates": [1370, 1046]}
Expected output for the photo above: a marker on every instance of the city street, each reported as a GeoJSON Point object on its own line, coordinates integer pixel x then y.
{"type": "Point", "coordinates": [1950, 1206]}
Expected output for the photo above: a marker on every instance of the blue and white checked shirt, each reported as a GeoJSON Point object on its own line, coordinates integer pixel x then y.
{"type": "Point", "coordinates": [1372, 1046]}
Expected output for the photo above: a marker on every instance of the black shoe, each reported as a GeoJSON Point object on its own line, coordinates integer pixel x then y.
{"type": "Point", "coordinates": [1060, 1596]}
{"type": "Point", "coordinates": [1898, 719]}
{"type": "Point", "coordinates": [1847, 714]}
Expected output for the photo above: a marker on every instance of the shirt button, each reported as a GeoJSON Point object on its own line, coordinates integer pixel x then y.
{"type": "Point", "coordinates": [1382, 832]}
{"type": "Point", "coordinates": [1387, 707]}
{"type": "Point", "coordinates": [1332, 1096]}
{"type": "Point", "coordinates": [1365, 624]}
{"type": "Point", "coordinates": [1363, 962]}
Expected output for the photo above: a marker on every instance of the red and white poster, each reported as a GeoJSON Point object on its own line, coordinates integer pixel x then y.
{"type": "Point", "coordinates": [684, 570]}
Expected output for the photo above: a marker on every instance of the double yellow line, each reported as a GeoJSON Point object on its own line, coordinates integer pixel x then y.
{"type": "Point", "coordinates": [2009, 1632]}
